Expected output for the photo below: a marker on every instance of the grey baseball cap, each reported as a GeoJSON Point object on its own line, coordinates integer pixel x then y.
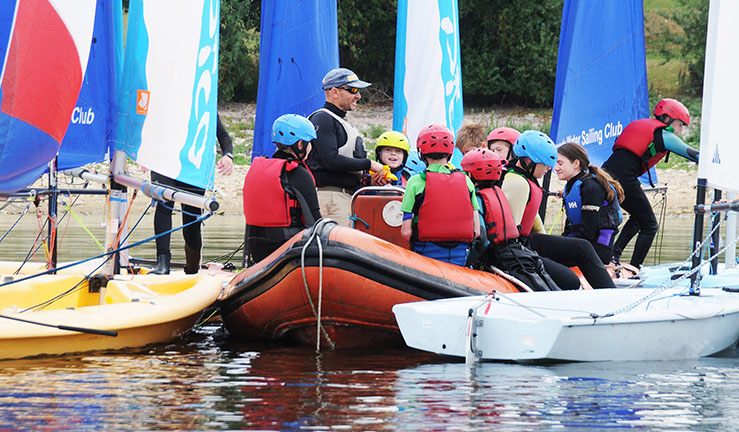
{"type": "Point", "coordinates": [342, 76]}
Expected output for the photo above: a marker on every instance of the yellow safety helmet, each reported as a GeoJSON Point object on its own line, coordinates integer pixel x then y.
{"type": "Point", "coordinates": [392, 139]}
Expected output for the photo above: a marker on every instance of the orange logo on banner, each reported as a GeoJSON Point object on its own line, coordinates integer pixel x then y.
{"type": "Point", "coordinates": [142, 102]}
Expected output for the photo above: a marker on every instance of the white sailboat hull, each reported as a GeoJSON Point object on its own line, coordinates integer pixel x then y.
{"type": "Point", "coordinates": [561, 325]}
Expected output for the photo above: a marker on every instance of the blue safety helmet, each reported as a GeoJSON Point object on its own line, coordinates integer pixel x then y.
{"type": "Point", "coordinates": [291, 128]}
{"type": "Point", "coordinates": [413, 164]}
{"type": "Point", "coordinates": [537, 146]}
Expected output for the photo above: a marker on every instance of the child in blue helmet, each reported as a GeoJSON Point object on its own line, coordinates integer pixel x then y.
{"type": "Point", "coordinates": [280, 196]}
{"type": "Point", "coordinates": [536, 155]}
{"type": "Point", "coordinates": [439, 206]}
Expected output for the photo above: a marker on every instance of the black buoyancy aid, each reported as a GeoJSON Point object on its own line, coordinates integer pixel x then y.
{"type": "Point", "coordinates": [446, 212]}
{"type": "Point", "coordinates": [499, 222]}
{"type": "Point", "coordinates": [609, 215]}
{"type": "Point", "coordinates": [266, 203]}
{"type": "Point", "coordinates": [640, 137]}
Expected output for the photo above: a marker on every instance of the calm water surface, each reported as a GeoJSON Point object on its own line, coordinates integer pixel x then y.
{"type": "Point", "coordinates": [206, 381]}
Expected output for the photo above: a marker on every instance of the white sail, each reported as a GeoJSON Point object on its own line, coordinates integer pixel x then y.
{"type": "Point", "coordinates": [169, 89]}
{"type": "Point", "coordinates": [719, 155]}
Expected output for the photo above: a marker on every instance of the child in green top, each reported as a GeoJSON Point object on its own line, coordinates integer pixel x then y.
{"type": "Point", "coordinates": [439, 206]}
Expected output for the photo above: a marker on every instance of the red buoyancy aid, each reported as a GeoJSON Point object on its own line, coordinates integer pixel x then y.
{"type": "Point", "coordinates": [638, 137]}
{"type": "Point", "coordinates": [446, 213]}
{"type": "Point", "coordinates": [531, 209]}
{"type": "Point", "coordinates": [499, 221]}
{"type": "Point", "coordinates": [263, 180]}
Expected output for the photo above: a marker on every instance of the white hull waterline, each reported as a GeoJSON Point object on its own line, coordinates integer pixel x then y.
{"type": "Point", "coordinates": [575, 325]}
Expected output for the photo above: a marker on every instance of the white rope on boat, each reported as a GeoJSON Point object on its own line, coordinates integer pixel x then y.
{"type": "Point", "coordinates": [317, 313]}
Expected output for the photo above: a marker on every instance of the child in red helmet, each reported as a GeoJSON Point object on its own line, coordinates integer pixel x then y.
{"type": "Point", "coordinates": [641, 145]}
{"type": "Point", "coordinates": [499, 238]}
{"type": "Point", "coordinates": [439, 206]}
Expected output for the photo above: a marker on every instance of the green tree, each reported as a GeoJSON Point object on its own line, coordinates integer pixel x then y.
{"type": "Point", "coordinates": [238, 71]}
{"type": "Point", "coordinates": [367, 41]}
{"type": "Point", "coordinates": [686, 41]}
{"type": "Point", "coordinates": [509, 50]}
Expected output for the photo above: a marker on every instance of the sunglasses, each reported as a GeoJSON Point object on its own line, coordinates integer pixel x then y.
{"type": "Point", "coordinates": [352, 90]}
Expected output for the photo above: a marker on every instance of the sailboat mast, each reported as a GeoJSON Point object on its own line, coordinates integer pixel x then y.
{"type": "Point", "coordinates": [53, 187]}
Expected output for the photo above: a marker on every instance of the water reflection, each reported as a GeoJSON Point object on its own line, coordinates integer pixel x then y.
{"type": "Point", "coordinates": [209, 382]}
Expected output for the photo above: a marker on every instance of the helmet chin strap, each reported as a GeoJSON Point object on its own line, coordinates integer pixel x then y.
{"type": "Point", "coordinates": [529, 166]}
{"type": "Point", "coordinates": [300, 153]}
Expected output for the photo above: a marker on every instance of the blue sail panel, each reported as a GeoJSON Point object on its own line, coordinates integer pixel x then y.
{"type": "Point", "coordinates": [92, 124]}
{"type": "Point", "coordinates": [428, 78]}
{"type": "Point", "coordinates": [601, 83]}
{"type": "Point", "coordinates": [290, 73]}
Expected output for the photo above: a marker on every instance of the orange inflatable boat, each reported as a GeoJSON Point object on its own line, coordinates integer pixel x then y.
{"type": "Point", "coordinates": [341, 283]}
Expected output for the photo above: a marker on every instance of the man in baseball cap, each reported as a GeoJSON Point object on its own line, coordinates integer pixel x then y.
{"type": "Point", "coordinates": [342, 77]}
{"type": "Point", "coordinates": [339, 158]}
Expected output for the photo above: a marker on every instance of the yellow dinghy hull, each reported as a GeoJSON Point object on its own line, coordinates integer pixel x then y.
{"type": "Point", "coordinates": [142, 309]}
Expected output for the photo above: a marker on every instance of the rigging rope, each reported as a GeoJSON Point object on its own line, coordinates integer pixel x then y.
{"type": "Point", "coordinates": [317, 313]}
{"type": "Point", "coordinates": [25, 211]}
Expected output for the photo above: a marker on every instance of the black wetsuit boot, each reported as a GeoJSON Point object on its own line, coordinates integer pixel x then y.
{"type": "Point", "coordinates": [162, 267]}
{"type": "Point", "coordinates": [192, 260]}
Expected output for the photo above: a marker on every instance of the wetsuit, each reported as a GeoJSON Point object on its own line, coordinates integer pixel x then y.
{"type": "Point", "coordinates": [260, 241]}
{"type": "Point", "coordinates": [559, 253]}
{"type": "Point", "coordinates": [163, 212]}
{"type": "Point", "coordinates": [590, 215]}
{"type": "Point", "coordinates": [626, 166]}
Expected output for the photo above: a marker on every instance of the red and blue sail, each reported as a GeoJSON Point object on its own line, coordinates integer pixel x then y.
{"type": "Point", "coordinates": [45, 45]}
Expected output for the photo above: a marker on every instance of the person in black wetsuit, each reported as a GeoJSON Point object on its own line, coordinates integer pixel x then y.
{"type": "Point", "coordinates": [641, 145]}
{"type": "Point", "coordinates": [280, 196]}
{"type": "Point", "coordinates": [591, 200]}
{"type": "Point", "coordinates": [339, 157]}
{"type": "Point", "coordinates": [191, 233]}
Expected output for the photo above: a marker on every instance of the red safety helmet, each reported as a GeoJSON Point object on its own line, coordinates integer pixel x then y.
{"type": "Point", "coordinates": [504, 134]}
{"type": "Point", "coordinates": [435, 139]}
{"type": "Point", "coordinates": [483, 164]}
{"type": "Point", "coordinates": [674, 109]}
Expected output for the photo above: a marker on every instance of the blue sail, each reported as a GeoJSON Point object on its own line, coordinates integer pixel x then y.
{"type": "Point", "coordinates": [601, 83]}
{"type": "Point", "coordinates": [299, 43]}
{"type": "Point", "coordinates": [90, 131]}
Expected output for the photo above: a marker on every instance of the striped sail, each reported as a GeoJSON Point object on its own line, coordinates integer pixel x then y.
{"type": "Point", "coordinates": [428, 79]}
{"type": "Point", "coordinates": [719, 153]}
{"type": "Point", "coordinates": [169, 89]}
{"type": "Point", "coordinates": [45, 47]}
